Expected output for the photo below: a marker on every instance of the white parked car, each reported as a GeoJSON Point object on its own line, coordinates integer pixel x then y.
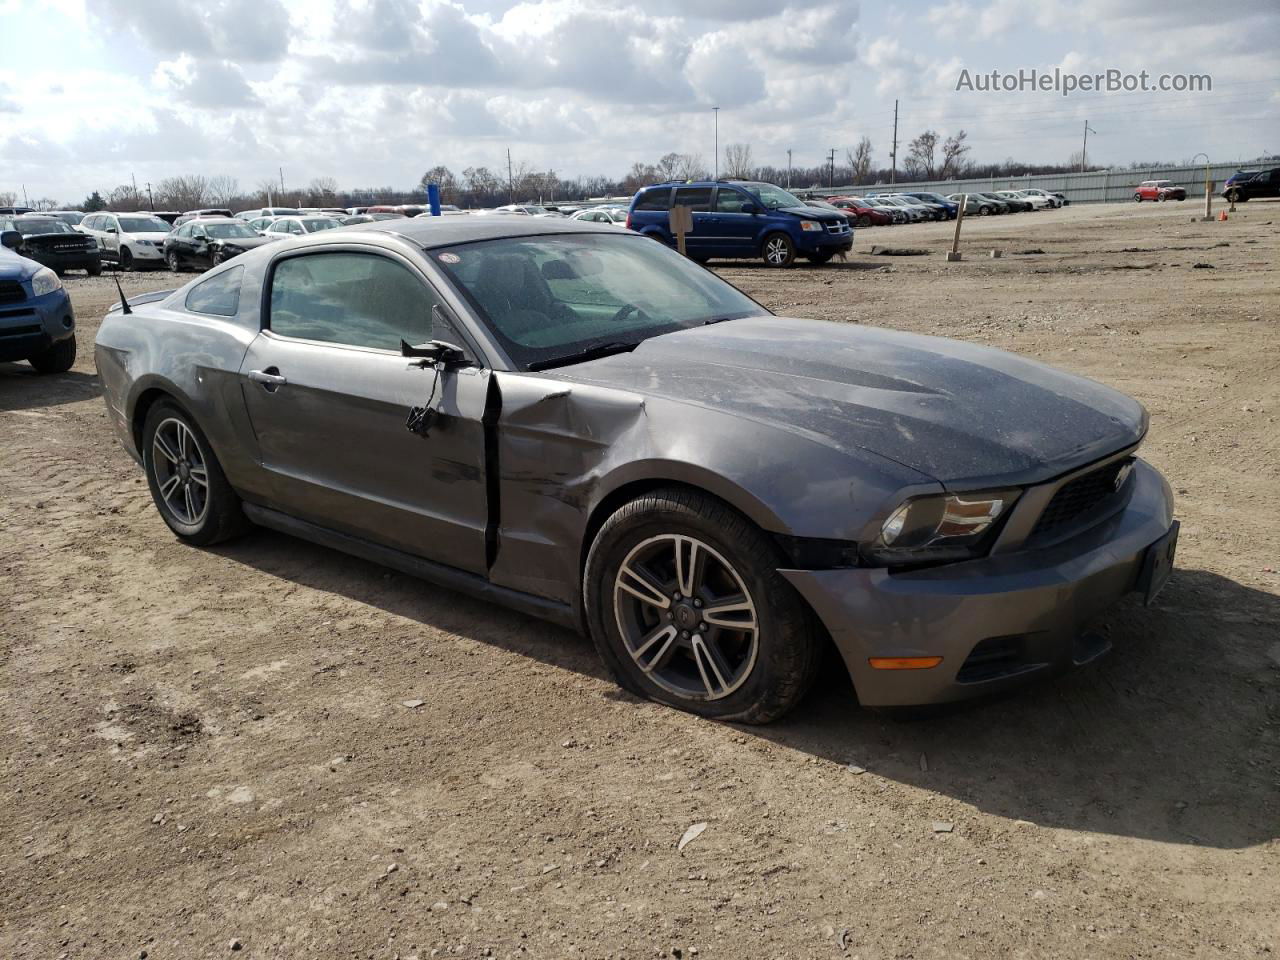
{"type": "Point", "coordinates": [610, 215]}
{"type": "Point", "coordinates": [1033, 194]}
{"type": "Point", "coordinates": [527, 209]}
{"type": "Point", "coordinates": [1037, 202]}
{"type": "Point", "coordinates": [130, 239]}
{"type": "Point", "coordinates": [298, 226]}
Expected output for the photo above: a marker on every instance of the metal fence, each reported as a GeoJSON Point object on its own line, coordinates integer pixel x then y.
{"type": "Point", "coordinates": [1095, 187]}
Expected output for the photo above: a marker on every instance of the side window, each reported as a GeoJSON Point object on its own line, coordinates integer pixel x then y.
{"type": "Point", "coordinates": [659, 199]}
{"type": "Point", "coordinates": [219, 295]}
{"type": "Point", "coordinates": [699, 198]}
{"type": "Point", "coordinates": [729, 201]}
{"type": "Point", "coordinates": [356, 299]}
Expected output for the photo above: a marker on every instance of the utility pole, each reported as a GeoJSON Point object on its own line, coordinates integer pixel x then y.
{"type": "Point", "coordinates": [151, 204]}
{"type": "Point", "coordinates": [788, 169]}
{"type": "Point", "coordinates": [511, 182]}
{"type": "Point", "coordinates": [831, 175]}
{"type": "Point", "coordinates": [716, 112]}
{"type": "Point", "coordinates": [1084, 147]}
{"type": "Point", "coordinates": [24, 196]}
{"type": "Point", "coordinates": [282, 184]}
{"type": "Point", "coordinates": [134, 181]}
{"type": "Point", "coordinates": [893, 155]}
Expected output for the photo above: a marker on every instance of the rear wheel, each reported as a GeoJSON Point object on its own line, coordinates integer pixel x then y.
{"type": "Point", "coordinates": [778, 250]}
{"type": "Point", "coordinates": [187, 483]}
{"type": "Point", "coordinates": [686, 607]}
{"type": "Point", "coordinates": [57, 359]}
{"type": "Point", "coordinates": [1137, 198]}
{"type": "Point", "coordinates": [94, 270]}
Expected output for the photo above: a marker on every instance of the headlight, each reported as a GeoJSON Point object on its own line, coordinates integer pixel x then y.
{"type": "Point", "coordinates": [810, 225]}
{"type": "Point", "coordinates": [45, 281]}
{"type": "Point", "coordinates": [938, 528]}
{"type": "Point", "coordinates": [144, 243]}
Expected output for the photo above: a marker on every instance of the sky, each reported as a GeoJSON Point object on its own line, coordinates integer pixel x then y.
{"type": "Point", "coordinates": [375, 92]}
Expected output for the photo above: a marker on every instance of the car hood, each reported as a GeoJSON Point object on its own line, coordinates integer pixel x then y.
{"type": "Point", "coordinates": [964, 415]}
{"type": "Point", "coordinates": [812, 213]}
{"type": "Point", "coordinates": [14, 266]}
{"type": "Point", "coordinates": [245, 243]}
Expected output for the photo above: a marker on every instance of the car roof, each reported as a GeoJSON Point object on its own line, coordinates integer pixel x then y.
{"type": "Point", "coordinates": [445, 231]}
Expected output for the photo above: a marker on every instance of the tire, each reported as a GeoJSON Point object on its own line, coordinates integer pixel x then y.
{"type": "Point", "coordinates": [1162, 198]}
{"type": "Point", "coordinates": [217, 259]}
{"type": "Point", "coordinates": [864, 221]}
{"type": "Point", "coordinates": [984, 211]}
{"type": "Point", "coordinates": [171, 261]}
{"type": "Point", "coordinates": [778, 250]}
{"type": "Point", "coordinates": [762, 673]}
{"type": "Point", "coordinates": [213, 512]}
{"type": "Point", "coordinates": [818, 259]}
{"type": "Point", "coordinates": [57, 359]}
{"type": "Point", "coordinates": [1137, 198]}
{"type": "Point", "coordinates": [95, 270]}
{"type": "Point", "coordinates": [126, 258]}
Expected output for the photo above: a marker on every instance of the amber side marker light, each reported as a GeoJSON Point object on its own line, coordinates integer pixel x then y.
{"type": "Point", "coordinates": [904, 663]}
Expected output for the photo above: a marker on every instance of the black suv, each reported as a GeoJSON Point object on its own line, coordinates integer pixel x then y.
{"type": "Point", "coordinates": [1264, 183]}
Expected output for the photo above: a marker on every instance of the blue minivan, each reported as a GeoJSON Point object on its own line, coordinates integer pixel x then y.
{"type": "Point", "coordinates": [742, 219]}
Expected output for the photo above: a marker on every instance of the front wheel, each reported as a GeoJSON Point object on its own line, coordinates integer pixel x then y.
{"type": "Point", "coordinates": [171, 261]}
{"type": "Point", "coordinates": [1137, 198]}
{"type": "Point", "coordinates": [94, 269]}
{"type": "Point", "coordinates": [57, 359]}
{"type": "Point", "coordinates": [778, 250]}
{"type": "Point", "coordinates": [864, 221]}
{"type": "Point", "coordinates": [187, 483]}
{"type": "Point", "coordinates": [126, 258]}
{"type": "Point", "coordinates": [686, 607]}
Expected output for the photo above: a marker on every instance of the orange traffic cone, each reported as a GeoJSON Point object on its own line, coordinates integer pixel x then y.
{"type": "Point", "coordinates": [1222, 215]}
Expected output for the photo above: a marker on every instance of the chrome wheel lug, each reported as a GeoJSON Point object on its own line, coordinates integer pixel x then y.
{"type": "Point", "coordinates": [702, 627]}
{"type": "Point", "coordinates": [697, 603]}
{"type": "Point", "coordinates": [684, 634]}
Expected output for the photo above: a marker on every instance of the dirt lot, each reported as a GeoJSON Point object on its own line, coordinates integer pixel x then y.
{"type": "Point", "coordinates": [203, 748]}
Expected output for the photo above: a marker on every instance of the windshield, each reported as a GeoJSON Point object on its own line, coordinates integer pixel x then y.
{"type": "Point", "coordinates": [229, 231]}
{"type": "Point", "coordinates": [318, 224]}
{"type": "Point", "coordinates": [143, 225]}
{"type": "Point", "coordinates": [31, 227]}
{"type": "Point", "coordinates": [770, 196]}
{"type": "Point", "coordinates": [548, 298]}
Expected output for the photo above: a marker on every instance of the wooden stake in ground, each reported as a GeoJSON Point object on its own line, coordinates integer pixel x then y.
{"type": "Point", "coordinates": [954, 254]}
{"type": "Point", "coordinates": [681, 222]}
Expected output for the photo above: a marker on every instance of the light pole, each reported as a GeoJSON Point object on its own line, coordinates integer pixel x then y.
{"type": "Point", "coordinates": [716, 112]}
{"type": "Point", "coordinates": [788, 169]}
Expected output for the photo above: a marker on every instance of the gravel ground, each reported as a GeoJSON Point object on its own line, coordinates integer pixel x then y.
{"type": "Point", "coordinates": [209, 752]}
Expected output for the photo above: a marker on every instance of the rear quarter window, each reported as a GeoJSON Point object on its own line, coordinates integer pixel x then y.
{"type": "Point", "coordinates": [219, 296]}
{"type": "Point", "coordinates": [659, 199]}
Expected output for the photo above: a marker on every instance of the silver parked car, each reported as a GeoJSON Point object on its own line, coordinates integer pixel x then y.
{"type": "Point", "coordinates": [577, 422]}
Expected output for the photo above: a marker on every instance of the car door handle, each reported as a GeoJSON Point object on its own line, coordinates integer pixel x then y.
{"type": "Point", "coordinates": [268, 379]}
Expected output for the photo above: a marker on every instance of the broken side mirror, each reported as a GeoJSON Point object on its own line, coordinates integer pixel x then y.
{"type": "Point", "coordinates": [436, 353]}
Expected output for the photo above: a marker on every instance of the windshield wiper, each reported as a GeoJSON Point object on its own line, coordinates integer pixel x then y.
{"type": "Point", "coordinates": [591, 353]}
{"type": "Point", "coordinates": [707, 323]}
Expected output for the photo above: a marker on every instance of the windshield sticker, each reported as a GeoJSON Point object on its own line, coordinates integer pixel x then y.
{"type": "Point", "coordinates": [449, 258]}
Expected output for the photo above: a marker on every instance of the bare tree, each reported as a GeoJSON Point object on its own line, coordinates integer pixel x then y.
{"type": "Point", "coordinates": [183, 193]}
{"type": "Point", "coordinates": [222, 190]}
{"type": "Point", "coordinates": [692, 167]}
{"type": "Point", "coordinates": [45, 203]}
{"type": "Point", "coordinates": [667, 166]}
{"type": "Point", "coordinates": [640, 175]}
{"type": "Point", "coordinates": [859, 160]}
{"type": "Point", "coordinates": [443, 178]}
{"type": "Point", "coordinates": [322, 188]}
{"type": "Point", "coordinates": [737, 161]}
{"type": "Point", "coordinates": [921, 154]}
{"type": "Point", "coordinates": [267, 191]}
{"type": "Point", "coordinates": [953, 151]}
{"type": "Point", "coordinates": [125, 198]}
{"type": "Point", "coordinates": [8, 198]}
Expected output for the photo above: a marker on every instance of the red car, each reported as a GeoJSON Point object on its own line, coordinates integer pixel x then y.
{"type": "Point", "coordinates": [863, 215]}
{"type": "Point", "coordinates": [1158, 190]}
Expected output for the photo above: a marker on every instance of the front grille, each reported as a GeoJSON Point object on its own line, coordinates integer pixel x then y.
{"type": "Point", "coordinates": [24, 331]}
{"type": "Point", "coordinates": [993, 658]}
{"type": "Point", "coordinates": [11, 292]}
{"type": "Point", "coordinates": [17, 312]}
{"type": "Point", "coordinates": [1080, 496]}
{"type": "Point", "coordinates": [838, 227]}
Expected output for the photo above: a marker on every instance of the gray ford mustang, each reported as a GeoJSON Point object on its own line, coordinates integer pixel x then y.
{"type": "Point", "coordinates": [585, 426]}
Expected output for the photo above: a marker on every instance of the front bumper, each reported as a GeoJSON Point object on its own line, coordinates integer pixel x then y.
{"type": "Point", "coordinates": [141, 252]}
{"type": "Point", "coordinates": [34, 325]}
{"type": "Point", "coordinates": [72, 260]}
{"type": "Point", "coordinates": [1027, 609]}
